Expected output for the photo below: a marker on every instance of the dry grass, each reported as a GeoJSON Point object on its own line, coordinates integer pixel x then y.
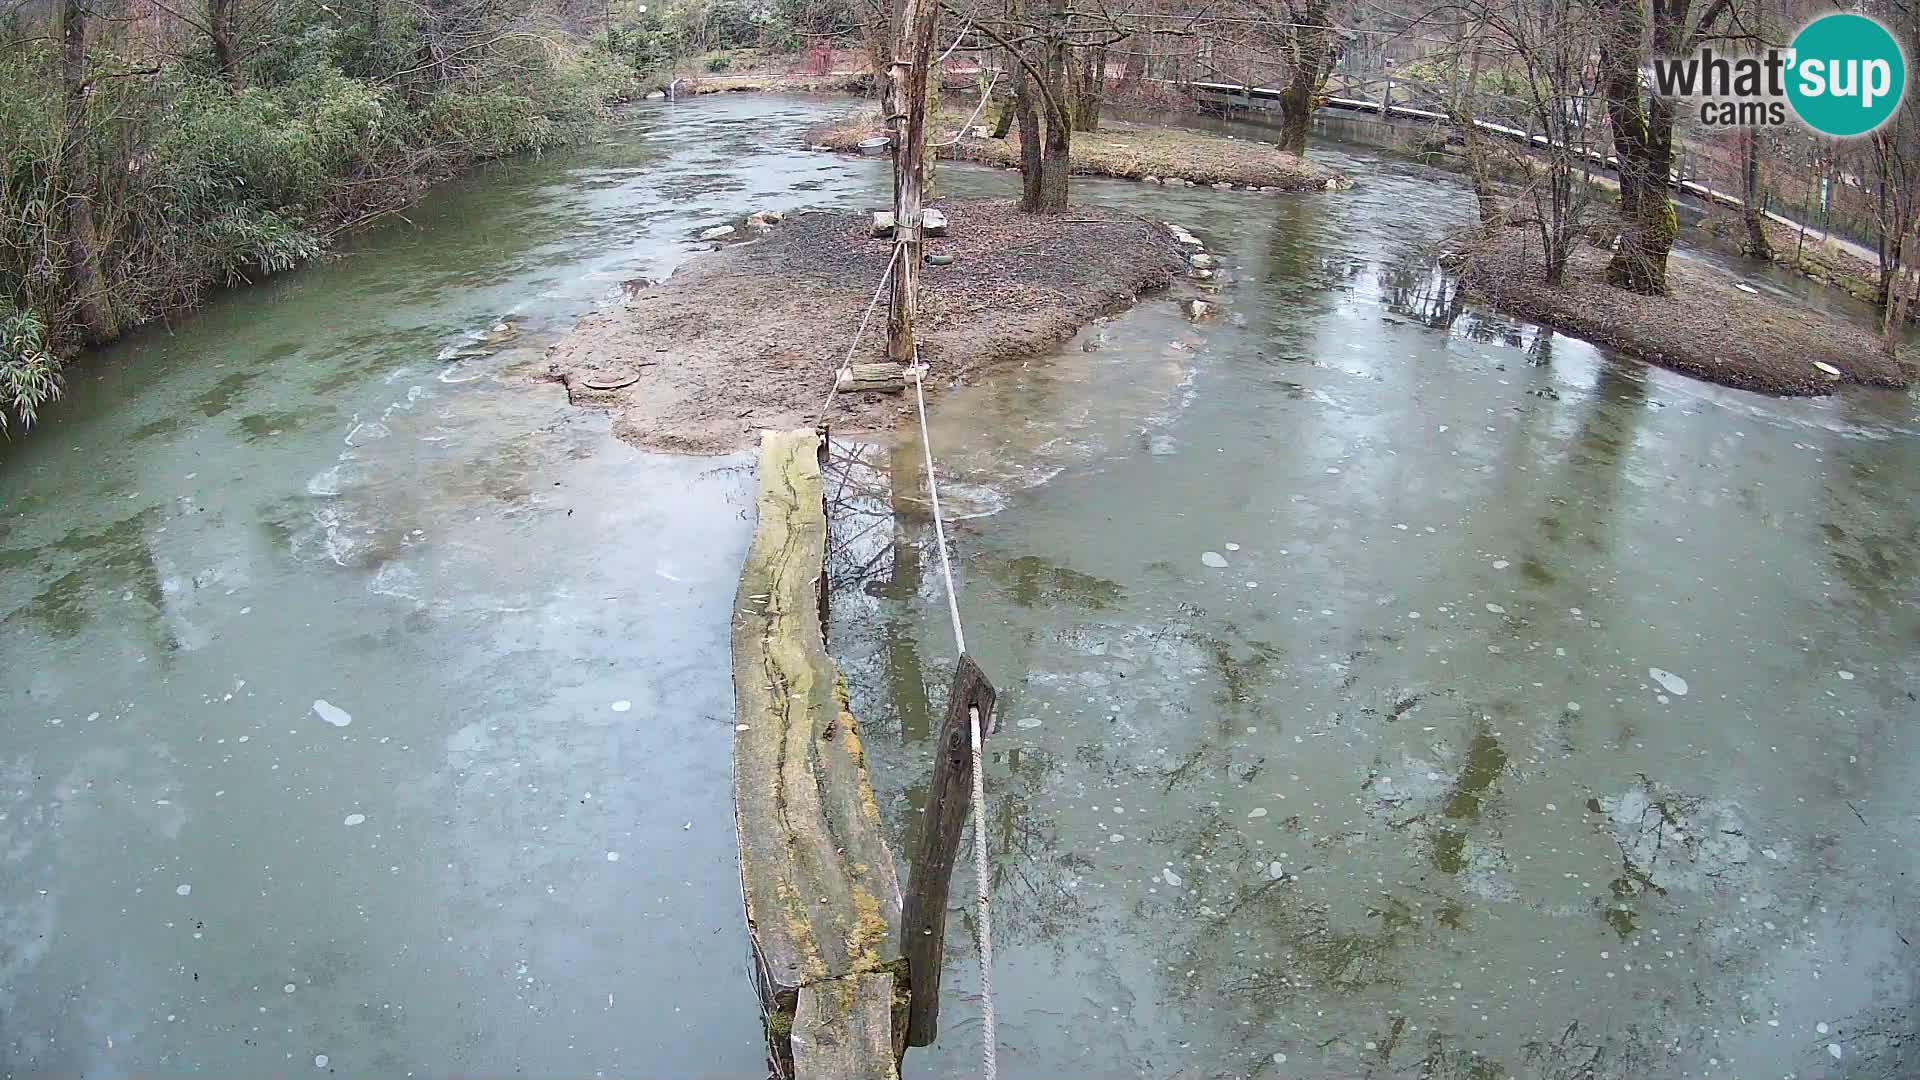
{"type": "Point", "coordinates": [1124, 150]}
{"type": "Point", "coordinates": [1703, 327]}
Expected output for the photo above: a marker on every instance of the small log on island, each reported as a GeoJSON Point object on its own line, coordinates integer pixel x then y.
{"type": "Point", "coordinates": [822, 900]}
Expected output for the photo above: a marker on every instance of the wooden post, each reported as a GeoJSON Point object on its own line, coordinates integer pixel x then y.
{"type": "Point", "coordinates": [907, 111]}
{"type": "Point", "coordinates": [924, 918]}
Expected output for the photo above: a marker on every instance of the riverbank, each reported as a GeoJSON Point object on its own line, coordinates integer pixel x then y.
{"type": "Point", "coordinates": [750, 336]}
{"type": "Point", "coordinates": [1118, 149]}
{"type": "Point", "coordinates": [207, 182]}
{"type": "Point", "coordinates": [1703, 327]}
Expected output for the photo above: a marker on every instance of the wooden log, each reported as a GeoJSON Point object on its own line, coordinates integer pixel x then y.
{"type": "Point", "coordinates": [882, 376]}
{"type": "Point", "coordinates": [822, 901]}
{"type": "Point", "coordinates": [949, 796]}
{"type": "Point", "coordinates": [843, 1030]}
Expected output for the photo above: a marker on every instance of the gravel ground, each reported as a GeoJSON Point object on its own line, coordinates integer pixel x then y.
{"type": "Point", "coordinates": [1703, 327]}
{"type": "Point", "coordinates": [749, 336]}
{"type": "Point", "coordinates": [1120, 149]}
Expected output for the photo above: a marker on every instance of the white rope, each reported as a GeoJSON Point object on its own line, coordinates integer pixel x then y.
{"type": "Point", "coordinates": [846, 366]}
{"type": "Point", "coordinates": [984, 917]}
{"type": "Point", "coordinates": [977, 110]}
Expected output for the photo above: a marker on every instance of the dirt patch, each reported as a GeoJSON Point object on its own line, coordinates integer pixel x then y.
{"type": "Point", "coordinates": [749, 337]}
{"type": "Point", "coordinates": [1125, 150]}
{"type": "Point", "coordinates": [1704, 327]}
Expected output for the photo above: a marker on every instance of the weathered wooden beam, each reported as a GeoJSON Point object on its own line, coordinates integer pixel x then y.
{"type": "Point", "coordinates": [907, 79]}
{"type": "Point", "coordinates": [948, 798]}
{"type": "Point", "coordinates": [843, 1029]}
{"type": "Point", "coordinates": [822, 900]}
{"type": "Point", "coordinates": [885, 375]}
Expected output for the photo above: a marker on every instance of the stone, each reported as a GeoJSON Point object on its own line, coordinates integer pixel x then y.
{"type": "Point", "coordinates": [882, 223]}
{"type": "Point", "coordinates": [1151, 179]}
{"type": "Point", "coordinates": [1201, 260]}
{"type": "Point", "coordinates": [657, 95]}
{"type": "Point", "coordinates": [933, 222]}
{"type": "Point", "coordinates": [766, 217]}
{"type": "Point", "coordinates": [717, 232]}
{"type": "Point", "coordinates": [1202, 275]}
{"type": "Point", "coordinates": [1223, 186]}
{"type": "Point", "coordinates": [1199, 309]}
{"type": "Point", "coordinates": [820, 148]}
{"type": "Point", "coordinates": [981, 131]}
{"type": "Point", "coordinates": [1333, 183]}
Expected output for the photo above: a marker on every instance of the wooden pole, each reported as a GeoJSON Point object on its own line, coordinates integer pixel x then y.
{"type": "Point", "coordinates": [907, 111]}
{"type": "Point", "coordinates": [923, 920]}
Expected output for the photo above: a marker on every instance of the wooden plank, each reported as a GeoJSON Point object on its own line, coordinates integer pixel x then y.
{"type": "Point", "coordinates": [885, 375]}
{"type": "Point", "coordinates": [822, 901]}
{"type": "Point", "coordinates": [949, 797]}
{"type": "Point", "coordinates": [843, 1030]}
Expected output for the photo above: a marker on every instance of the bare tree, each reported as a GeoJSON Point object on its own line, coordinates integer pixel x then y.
{"type": "Point", "coordinates": [1642, 123]}
{"type": "Point", "coordinates": [76, 189]}
{"type": "Point", "coordinates": [1539, 50]}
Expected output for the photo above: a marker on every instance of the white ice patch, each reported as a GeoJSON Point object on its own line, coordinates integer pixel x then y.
{"type": "Point", "coordinates": [613, 856]}
{"type": "Point", "coordinates": [184, 890]}
{"type": "Point", "coordinates": [355, 819]}
{"type": "Point", "coordinates": [1171, 878]}
{"type": "Point", "coordinates": [1213, 559]}
{"type": "Point", "coordinates": [319, 1061]}
{"type": "Point", "coordinates": [1027, 722]}
{"type": "Point", "coordinates": [331, 713]}
{"type": "Point", "coordinates": [622, 705]}
{"type": "Point", "coordinates": [1496, 609]}
{"type": "Point", "coordinates": [1671, 683]}
{"type": "Point", "coordinates": [1846, 676]}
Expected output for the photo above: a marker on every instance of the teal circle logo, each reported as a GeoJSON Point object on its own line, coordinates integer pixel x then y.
{"type": "Point", "coordinates": [1848, 75]}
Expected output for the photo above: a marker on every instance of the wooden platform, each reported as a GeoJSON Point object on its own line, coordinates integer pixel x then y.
{"type": "Point", "coordinates": [822, 899]}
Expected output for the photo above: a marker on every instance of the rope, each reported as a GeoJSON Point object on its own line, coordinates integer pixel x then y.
{"type": "Point", "coordinates": [846, 366]}
{"type": "Point", "coordinates": [984, 917]}
{"type": "Point", "coordinates": [985, 96]}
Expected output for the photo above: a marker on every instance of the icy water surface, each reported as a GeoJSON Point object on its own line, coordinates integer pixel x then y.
{"type": "Point", "coordinates": [1390, 690]}
{"type": "Point", "coordinates": [366, 708]}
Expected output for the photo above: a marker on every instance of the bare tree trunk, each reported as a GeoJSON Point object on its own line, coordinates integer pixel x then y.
{"type": "Point", "coordinates": [82, 242]}
{"type": "Point", "coordinates": [908, 104]}
{"type": "Point", "coordinates": [1312, 63]}
{"type": "Point", "coordinates": [220, 30]}
{"type": "Point", "coordinates": [1900, 293]}
{"type": "Point", "coordinates": [1751, 197]}
{"type": "Point", "coordinates": [1008, 110]}
{"type": "Point", "coordinates": [1054, 162]}
{"type": "Point", "coordinates": [1643, 143]}
{"type": "Point", "coordinates": [1092, 88]}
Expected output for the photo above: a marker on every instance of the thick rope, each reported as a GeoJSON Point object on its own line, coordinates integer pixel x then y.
{"type": "Point", "coordinates": [984, 934]}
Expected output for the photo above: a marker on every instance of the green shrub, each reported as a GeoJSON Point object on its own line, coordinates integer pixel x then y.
{"type": "Point", "coordinates": [29, 373]}
{"type": "Point", "coordinates": [195, 183]}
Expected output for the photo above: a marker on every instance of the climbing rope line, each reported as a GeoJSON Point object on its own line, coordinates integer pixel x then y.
{"type": "Point", "coordinates": [984, 917]}
{"type": "Point", "coordinates": [985, 96]}
{"type": "Point", "coordinates": [846, 366]}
